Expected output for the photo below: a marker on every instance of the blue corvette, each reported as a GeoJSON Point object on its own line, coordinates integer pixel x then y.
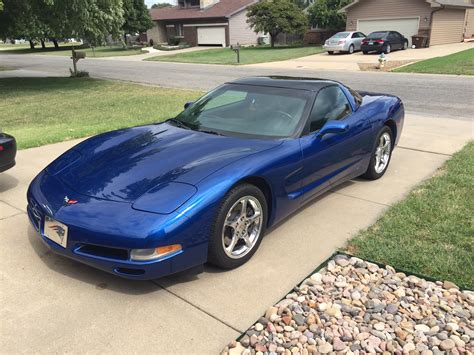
{"type": "Point", "coordinates": [150, 201]}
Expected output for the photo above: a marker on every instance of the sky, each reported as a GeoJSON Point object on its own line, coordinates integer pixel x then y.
{"type": "Point", "coordinates": [151, 2]}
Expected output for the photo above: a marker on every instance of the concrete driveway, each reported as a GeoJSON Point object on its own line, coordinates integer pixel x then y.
{"type": "Point", "coordinates": [52, 304]}
{"type": "Point", "coordinates": [351, 62]}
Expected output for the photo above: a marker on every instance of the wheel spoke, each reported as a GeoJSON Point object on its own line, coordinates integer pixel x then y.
{"type": "Point", "coordinates": [233, 242]}
{"type": "Point", "coordinates": [256, 215]}
{"type": "Point", "coordinates": [243, 212]}
{"type": "Point", "coordinates": [247, 240]}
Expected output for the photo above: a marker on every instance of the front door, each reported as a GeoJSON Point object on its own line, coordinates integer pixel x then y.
{"type": "Point", "coordinates": [333, 156]}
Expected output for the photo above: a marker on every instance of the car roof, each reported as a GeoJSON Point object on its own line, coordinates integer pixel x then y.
{"type": "Point", "coordinates": [287, 82]}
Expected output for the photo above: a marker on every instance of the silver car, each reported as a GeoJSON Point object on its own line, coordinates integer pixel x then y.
{"type": "Point", "coordinates": [344, 42]}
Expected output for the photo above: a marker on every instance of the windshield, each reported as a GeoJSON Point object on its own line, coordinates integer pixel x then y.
{"type": "Point", "coordinates": [341, 35]}
{"type": "Point", "coordinates": [377, 35]}
{"type": "Point", "coordinates": [249, 111]}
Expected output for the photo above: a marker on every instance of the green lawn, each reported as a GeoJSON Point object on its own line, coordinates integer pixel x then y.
{"type": "Point", "coordinates": [39, 111]}
{"type": "Point", "coordinates": [65, 50]}
{"type": "Point", "coordinates": [461, 63]}
{"type": "Point", "coordinates": [431, 232]}
{"type": "Point", "coordinates": [250, 55]}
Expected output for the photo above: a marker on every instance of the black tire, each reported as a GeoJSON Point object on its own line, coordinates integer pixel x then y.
{"type": "Point", "coordinates": [365, 52]}
{"type": "Point", "coordinates": [351, 49]}
{"type": "Point", "coordinates": [330, 52]}
{"type": "Point", "coordinates": [388, 49]}
{"type": "Point", "coordinates": [371, 173]}
{"type": "Point", "coordinates": [405, 45]}
{"type": "Point", "coordinates": [217, 255]}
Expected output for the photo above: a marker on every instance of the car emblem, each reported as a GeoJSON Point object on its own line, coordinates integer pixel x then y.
{"type": "Point", "coordinates": [69, 202]}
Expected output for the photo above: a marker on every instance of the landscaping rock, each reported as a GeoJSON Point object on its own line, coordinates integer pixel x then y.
{"type": "Point", "coordinates": [356, 307]}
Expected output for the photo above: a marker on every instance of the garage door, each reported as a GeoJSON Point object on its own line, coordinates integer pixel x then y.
{"type": "Point", "coordinates": [211, 36]}
{"type": "Point", "coordinates": [448, 26]}
{"type": "Point", "coordinates": [406, 26]}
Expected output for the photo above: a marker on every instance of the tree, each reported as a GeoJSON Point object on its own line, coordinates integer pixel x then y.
{"type": "Point", "coordinates": [137, 18]}
{"type": "Point", "coordinates": [324, 14]}
{"type": "Point", "coordinates": [275, 17]}
{"type": "Point", "coordinates": [161, 5]}
{"type": "Point", "coordinates": [20, 19]}
{"type": "Point", "coordinates": [90, 20]}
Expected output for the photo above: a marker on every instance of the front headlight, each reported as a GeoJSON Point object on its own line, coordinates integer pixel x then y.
{"type": "Point", "coordinates": [153, 254]}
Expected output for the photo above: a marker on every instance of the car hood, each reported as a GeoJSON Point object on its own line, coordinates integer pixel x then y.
{"type": "Point", "coordinates": [123, 165]}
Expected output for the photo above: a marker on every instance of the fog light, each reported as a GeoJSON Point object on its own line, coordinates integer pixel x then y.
{"type": "Point", "coordinates": [156, 253]}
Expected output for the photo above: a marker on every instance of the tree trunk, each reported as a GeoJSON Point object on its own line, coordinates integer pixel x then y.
{"type": "Point", "coordinates": [32, 44]}
{"type": "Point", "coordinates": [43, 45]}
{"type": "Point", "coordinates": [55, 41]}
{"type": "Point", "coordinates": [272, 39]}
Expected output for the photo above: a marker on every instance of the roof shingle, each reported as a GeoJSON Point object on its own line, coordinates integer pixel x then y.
{"type": "Point", "coordinates": [224, 8]}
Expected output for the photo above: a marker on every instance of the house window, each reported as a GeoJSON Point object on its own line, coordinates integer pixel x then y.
{"type": "Point", "coordinates": [179, 29]}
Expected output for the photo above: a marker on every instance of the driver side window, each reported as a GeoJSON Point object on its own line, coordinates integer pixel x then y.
{"type": "Point", "coordinates": [330, 104]}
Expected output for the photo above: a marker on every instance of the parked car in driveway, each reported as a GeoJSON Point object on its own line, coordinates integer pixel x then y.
{"type": "Point", "coordinates": [7, 151]}
{"type": "Point", "coordinates": [149, 201]}
{"type": "Point", "coordinates": [384, 42]}
{"type": "Point", "coordinates": [344, 42]}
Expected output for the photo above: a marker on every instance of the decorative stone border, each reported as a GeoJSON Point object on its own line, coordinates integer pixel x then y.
{"type": "Point", "coordinates": [353, 306]}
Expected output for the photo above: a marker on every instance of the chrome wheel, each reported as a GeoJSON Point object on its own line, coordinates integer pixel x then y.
{"type": "Point", "coordinates": [242, 227]}
{"type": "Point", "coordinates": [382, 153]}
{"type": "Point", "coordinates": [389, 49]}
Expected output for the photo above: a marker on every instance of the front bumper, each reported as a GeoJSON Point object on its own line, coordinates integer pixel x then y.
{"type": "Point", "coordinates": [102, 234]}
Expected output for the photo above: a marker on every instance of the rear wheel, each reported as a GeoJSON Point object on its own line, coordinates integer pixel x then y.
{"type": "Point", "coordinates": [388, 49]}
{"type": "Point", "coordinates": [381, 155]}
{"type": "Point", "coordinates": [239, 227]}
{"type": "Point", "coordinates": [330, 52]}
{"type": "Point", "coordinates": [365, 52]}
{"type": "Point", "coordinates": [405, 45]}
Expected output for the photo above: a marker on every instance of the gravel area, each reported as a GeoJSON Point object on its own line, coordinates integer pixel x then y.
{"type": "Point", "coordinates": [355, 307]}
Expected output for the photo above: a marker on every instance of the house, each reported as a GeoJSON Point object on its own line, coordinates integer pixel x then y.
{"type": "Point", "coordinates": [443, 21]}
{"type": "Point", "coordinates": [204, 22]}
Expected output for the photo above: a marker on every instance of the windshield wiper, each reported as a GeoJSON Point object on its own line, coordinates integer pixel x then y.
{"type": "Point", "coordinates": [179, 123]}
{"type": "Point", "coordinates": [211, 132]}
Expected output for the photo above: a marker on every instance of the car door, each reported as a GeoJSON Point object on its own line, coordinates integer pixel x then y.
{"type": "Point", "coordinates": [395, 40]}
{"type": "Point", "coordinates": [329, 157]}
{"type": "Point", "coordinates": [357, 40]}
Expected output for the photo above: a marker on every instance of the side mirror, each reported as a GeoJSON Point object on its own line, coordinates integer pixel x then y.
{"type": "Point", "coordinates": [187, 104]}
{"type": "Point", "coordinates": [335, 127]}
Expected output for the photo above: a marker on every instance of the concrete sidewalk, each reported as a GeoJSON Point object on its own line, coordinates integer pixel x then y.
{"type": "Point", "coordinates": [52, 304]}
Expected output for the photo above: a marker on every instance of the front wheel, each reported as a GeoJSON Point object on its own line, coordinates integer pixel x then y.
{"type": "Point", "coordinates": [365, 52]}
{"type": "Point", "coordinates": [239, 227]}
{"type": "Point", "coordinates": [330, 52]}
{"type": "Point", "coordinates": [351, 49]}
{"type": "Point", "coordinates": [381, 155]}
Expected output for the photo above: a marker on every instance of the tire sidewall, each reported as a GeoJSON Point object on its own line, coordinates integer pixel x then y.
{"type": "Point", "coordinates": [217, 255]}
{"type": "Point", "coordinates": [388, 49]}
{"type": "Point", "coordinates": [371, 173]}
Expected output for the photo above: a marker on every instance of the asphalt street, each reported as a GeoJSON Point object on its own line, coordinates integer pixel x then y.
{"type": "Point", "coordinates": [431, 95]}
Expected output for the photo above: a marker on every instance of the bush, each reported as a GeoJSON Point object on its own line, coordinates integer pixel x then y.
{"type": "Point", "coordinates": [79, 74]}
{"type": "Point", "coordinates": [174, 41]}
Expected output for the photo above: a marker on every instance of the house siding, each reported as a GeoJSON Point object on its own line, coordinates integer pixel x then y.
{"type": "Point", "coordinates": [239, 30]}
{"type": "Point", "coordinates": [448, 26]}
{"type": "Point", "coordinates": [157, 33]}
{"type": "Point", "coordinates": [379, 9]}
{"type": "Point", "coordinates": [469, 32]}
